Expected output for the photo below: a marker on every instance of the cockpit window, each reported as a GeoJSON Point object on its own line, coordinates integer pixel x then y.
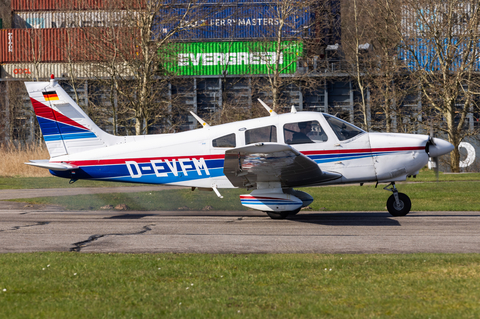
{"type": "Point", "coordinates": [304, 132]}
{"type": "Point", "coordinates": [343, 130]}
{"type": "Point", "coordinates": [225, 141]}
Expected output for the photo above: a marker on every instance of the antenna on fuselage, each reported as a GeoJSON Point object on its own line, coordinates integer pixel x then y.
{"type": "Point", "coordinates": [202, 122]}
{"type": "Point", "coordinates": [272, 112]}
{"type": "Point", "coordinates": [294, 110]}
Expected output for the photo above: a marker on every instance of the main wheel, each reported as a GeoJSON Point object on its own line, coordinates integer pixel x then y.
{"type": "Point", "coordinates": [404, 205]}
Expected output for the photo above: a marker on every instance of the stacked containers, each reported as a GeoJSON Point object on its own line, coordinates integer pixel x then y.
{"type": "Point", "coordinates": [42, 34]}
{"type": "Point", "coordinates": [227, 28]}
{"type": "Point", "coordinates": [207, 25]}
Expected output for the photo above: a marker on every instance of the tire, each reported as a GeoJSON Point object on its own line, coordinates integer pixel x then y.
{"type": "Point", "coordinates": [403, 209]}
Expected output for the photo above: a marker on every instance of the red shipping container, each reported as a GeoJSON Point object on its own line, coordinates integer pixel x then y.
{"type": "Point", "coordinates": [32, 45]}
{"type": "Point", "coordinates": [47, 5]}
{"type": "Point", "coordinates": [67, 45]}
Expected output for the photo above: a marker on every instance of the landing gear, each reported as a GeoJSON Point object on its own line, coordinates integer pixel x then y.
{"type": "Point", "coordinates": [398, 204]}
{"type": "Point", "coordinates": [282, 215]}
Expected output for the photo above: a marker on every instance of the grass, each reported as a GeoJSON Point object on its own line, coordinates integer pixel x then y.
{"type": "Point", "coordinates": [449, 196]}
{"type": "Point", "coordinates": [48, 181]}
{"type": "Point", "coordinates": [13, 159]}
{"type": "Point", "coordinates": [18, 182]}
{"type": "Point", "coordinates": [60, 285]}
{"type": "Point", "coordinates": [427, 175]}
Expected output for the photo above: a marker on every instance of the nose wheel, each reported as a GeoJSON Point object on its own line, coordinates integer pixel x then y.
{"type": "Point", "coordinates": [398, 204]}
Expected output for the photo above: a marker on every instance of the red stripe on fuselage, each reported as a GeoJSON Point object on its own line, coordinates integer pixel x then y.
{"type": "Point", "coordinates": [365, 150]}
{"type": "Point", "coordinates": [46, 112]}
{"type": "Point", "coordinates": [138, 160]}
{"type": "Point", "coordinates": [261, 197]}
{"type": "Point", "coordinates": [121, 161]}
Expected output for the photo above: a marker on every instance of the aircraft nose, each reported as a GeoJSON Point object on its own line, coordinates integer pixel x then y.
{"type": "Point", "coordinates": [439, 147]}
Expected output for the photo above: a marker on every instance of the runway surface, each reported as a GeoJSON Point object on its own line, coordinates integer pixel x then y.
{"type": "Point", "coordinates": [26, 228]}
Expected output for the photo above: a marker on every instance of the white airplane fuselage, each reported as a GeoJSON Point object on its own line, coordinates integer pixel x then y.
{"type": "Point", "coordinates": [269, 155]}
{"type": "Point", "coordinates": [189, 159]}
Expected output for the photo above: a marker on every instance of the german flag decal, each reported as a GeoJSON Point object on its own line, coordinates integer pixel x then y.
{"type": "Point", "coordinates": [50, 96]}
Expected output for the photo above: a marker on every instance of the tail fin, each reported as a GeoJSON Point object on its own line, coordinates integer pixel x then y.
{"type": "Point", "coordinates": [65, 127]}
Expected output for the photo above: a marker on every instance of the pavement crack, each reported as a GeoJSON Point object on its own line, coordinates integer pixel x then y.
{"type": "Point", "coordinates": [82, 244]}
{"type": "Point", "coordinates": [25, 226]}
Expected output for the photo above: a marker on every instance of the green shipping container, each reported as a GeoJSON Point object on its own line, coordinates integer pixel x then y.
{"type": "Point", "coordinates": [216, 58]}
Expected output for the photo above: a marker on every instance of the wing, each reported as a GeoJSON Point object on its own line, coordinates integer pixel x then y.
{"type": "Point", "coordinates": [272, 162]}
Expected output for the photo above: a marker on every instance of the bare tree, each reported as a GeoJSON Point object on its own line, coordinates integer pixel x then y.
{"type": "Point", "coordinates": [389, 83]}
{"type": "Point", "coordinates": [357, 41]}
{"type": "Point", "coordinates": [440, 45]}
{"type": "Point", "coordinates": [135, 55]}
{"type": "Point", "coordinates": [280, 51]}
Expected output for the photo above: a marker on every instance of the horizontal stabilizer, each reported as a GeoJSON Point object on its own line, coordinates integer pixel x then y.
{"type": "Point", "coordinates": [52, 166]}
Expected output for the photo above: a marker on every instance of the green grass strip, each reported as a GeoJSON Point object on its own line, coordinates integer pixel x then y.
{"type": "Point", "coordinates": [448, 196]}
{"type": "Point", "coordinates": [73, 285]}
{"type": "Point", "coordinates": [54, 182]}
{"type": "Point", "coordinates": [425, 175]}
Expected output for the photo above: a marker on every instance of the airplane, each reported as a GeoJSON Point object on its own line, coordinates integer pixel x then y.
{"type": "Point", "coordinates": [270, 156]}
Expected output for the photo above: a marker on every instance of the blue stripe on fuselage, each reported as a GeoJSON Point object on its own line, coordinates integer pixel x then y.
{"type": "Point", "coordinates": [120, 172]}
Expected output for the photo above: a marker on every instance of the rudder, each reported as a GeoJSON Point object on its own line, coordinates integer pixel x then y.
{"type": "Point", "coordinates": [65, 127]}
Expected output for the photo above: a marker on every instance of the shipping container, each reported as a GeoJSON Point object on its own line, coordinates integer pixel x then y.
{"type": "Point", "coordinates": [52, 5]}
{"type": "Point", "coordinates": [423, 53]}
{"type": "Point", "coordinates": [72, 19]}
{"type": "Point", "coordinates": [425, 20]}
{"type": "Point", "coordinates": [220, 58]}
{"type": "Point", "coordinates": [33, 71]}
{"type": "Point", "coordinates": [65, 45]}
{"type": "Point", "coordinates": [227, 22]}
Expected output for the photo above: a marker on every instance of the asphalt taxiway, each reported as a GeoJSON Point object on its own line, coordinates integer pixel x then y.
{"type": "Point", "coordinates": [31, 228]}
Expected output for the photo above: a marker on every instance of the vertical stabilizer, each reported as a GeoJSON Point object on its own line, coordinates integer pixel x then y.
{"type": "Point", "coordinates": [65, 127]}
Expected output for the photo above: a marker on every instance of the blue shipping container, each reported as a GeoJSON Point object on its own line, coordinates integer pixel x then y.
{"type": "Point", "coordinates": [422, 53]}
{"type": "Point", "coordinates": [228, 22]}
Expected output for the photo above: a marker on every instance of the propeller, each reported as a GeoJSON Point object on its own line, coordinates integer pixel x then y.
{"type": "Point", "coordinates": [434, 163]}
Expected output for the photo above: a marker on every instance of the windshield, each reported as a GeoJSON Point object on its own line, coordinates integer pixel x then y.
{"type": "Point", "coordinates": [343, 130]}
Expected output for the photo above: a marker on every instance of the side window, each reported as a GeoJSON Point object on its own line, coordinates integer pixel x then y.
{"type": "Point", "coordinates": [304, 132]}
{"type": "Point", "coordinates": [261, 134]}
{"type": "Point", "coordinates": [225, 141]}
